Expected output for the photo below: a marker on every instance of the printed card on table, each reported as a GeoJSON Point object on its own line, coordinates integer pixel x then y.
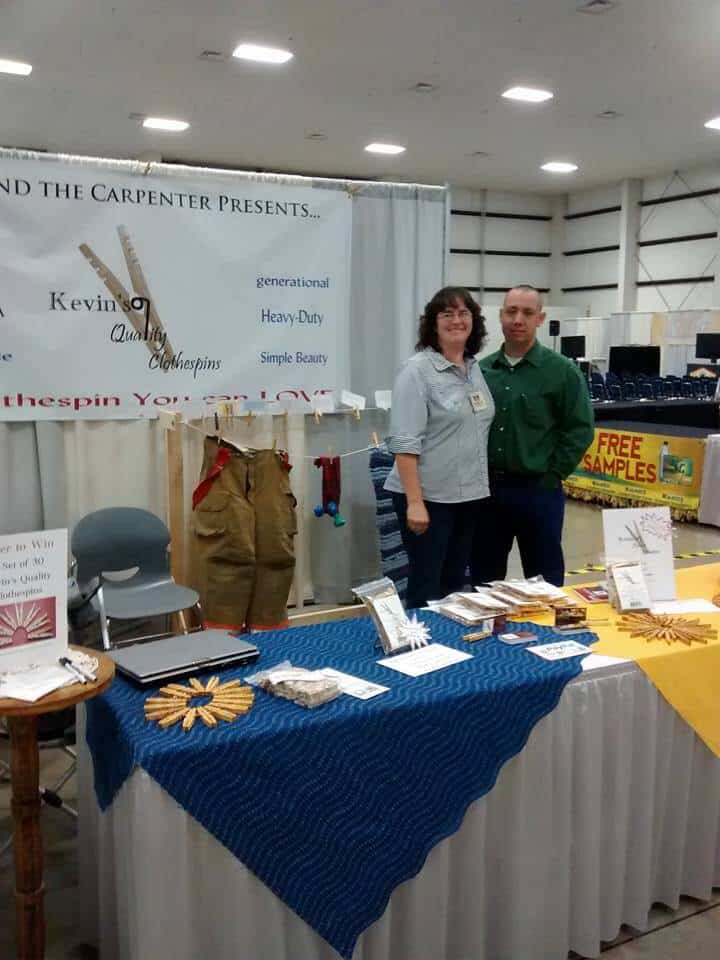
{"type": "Point", "coordinates": [33, 599]}
{"type": "Point", "coordinates": [644, 535]}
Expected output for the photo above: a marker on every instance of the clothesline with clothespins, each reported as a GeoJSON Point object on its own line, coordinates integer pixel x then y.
{"type": "Point", "coordinates": [178, 421]}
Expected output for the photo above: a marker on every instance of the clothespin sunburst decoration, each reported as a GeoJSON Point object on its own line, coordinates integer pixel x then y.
{"type": "Point", "coordinates": [670, 629]}
{"type": "Point", "coordinates": [177, 703]}
{"type": "Point", "coordinates": [414, 632]}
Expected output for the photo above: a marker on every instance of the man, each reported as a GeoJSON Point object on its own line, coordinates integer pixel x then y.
{"type": "Point", "coordinates": [543, 425]}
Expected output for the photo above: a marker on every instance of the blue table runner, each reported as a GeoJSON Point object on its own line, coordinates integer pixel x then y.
{"type": "Point", "coordinates": [332, 808]}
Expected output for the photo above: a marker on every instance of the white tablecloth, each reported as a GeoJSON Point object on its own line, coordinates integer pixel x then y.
{"type": "Point", "coordinates": [613, 805]}
{"type": "Point", "coordinates": [709, 511]}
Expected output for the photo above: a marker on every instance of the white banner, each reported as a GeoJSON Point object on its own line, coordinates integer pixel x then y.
{"type": "Point", "coordinates": [122, 294]}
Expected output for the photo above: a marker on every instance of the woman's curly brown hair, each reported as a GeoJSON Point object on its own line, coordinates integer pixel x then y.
{"type": "Point", "coordinates": [447, 299]}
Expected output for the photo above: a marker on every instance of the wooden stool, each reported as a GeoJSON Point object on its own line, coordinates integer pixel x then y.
{"type": "Point", "coordinates": [24, 764]}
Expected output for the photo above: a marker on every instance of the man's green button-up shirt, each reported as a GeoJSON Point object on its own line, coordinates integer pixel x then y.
{"type": "Point", "coordinates": [544, 420]}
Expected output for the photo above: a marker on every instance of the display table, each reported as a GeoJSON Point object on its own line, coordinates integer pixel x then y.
{"type": "Point", "coordinates": [613, 804]}
{"type": "Point", "coordinates": [22, 719]}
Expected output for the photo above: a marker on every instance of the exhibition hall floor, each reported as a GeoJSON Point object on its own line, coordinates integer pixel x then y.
{"type": "Point", "coordinates": [691, 933]}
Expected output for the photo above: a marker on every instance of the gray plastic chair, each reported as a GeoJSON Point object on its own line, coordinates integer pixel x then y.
{"type": "Point", "coordinates": [122, 538]}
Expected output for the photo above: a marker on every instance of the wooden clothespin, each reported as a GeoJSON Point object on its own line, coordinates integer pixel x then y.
{"type": "Point", "coordinates": [356, 413]}
{"type": "Point", "coordinates": [274, 448]}
{"type": "Point", "coordinates": [374, 438]}
{"type": "Point", "coordinates": [249, 416]}
{"type": "Point", "coordinates": [330, 453]}
{"type": "Point", "coordinates": [318, 416]}
{"type": "Point", "coordinates": [217, 424]}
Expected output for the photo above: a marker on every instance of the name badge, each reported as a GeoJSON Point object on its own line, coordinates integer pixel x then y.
{"type": "Point", "coordinates": [478, 401]}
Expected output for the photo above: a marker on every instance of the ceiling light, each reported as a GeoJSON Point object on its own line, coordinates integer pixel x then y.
{"type": "Point", "coordinates": [559, 166]}
{"type": "Point", "coordinates": [713, 124]}
{"type": "Point", "coordinates": [596, 6]}
{"type": "Point", "coordinates": [162, 123]}
{"type": "Point", "coordinates": [251, 51]}
{"type": "Point", "coordinates": [387, 148]}
{"type": "Point", "coordinates": [528, 94]}
{"type": "Point", "coordinates": [15, 67]}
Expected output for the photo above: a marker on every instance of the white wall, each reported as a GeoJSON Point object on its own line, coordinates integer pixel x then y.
{"type": "Point", "coordinates": [678, 259]}
{"type": "Point", "coordinates": [489, 233]}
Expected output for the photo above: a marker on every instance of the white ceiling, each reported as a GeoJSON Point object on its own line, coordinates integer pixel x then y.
{"type": "Point", "coordinates": [97, 61]}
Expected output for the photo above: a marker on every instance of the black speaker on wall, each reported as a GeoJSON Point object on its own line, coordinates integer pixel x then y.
{"type": "Point", "coordinates": [554, 328]}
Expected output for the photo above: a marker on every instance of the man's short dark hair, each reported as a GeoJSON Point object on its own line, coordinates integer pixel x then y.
{"type": "Point", "coordinates": [447, 299]}
{"type": "Point", "coordinates": [528, 286]}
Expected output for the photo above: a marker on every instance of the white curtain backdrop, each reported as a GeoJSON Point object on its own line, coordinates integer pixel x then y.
{"type": "Point", "coordinates": [56, 472]}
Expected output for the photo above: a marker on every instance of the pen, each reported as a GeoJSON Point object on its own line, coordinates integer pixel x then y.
{"type": "Point", "coordinates": [85, 673]}
{"type": "Point", "coordinates": [72, 669]}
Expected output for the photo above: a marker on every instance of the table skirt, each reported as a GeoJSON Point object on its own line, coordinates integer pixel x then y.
{"type": "Point", "coordinates": [613, 805]}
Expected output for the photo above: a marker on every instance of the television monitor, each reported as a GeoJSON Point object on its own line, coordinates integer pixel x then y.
{"type": "Point", "coordinates": [572, 347]}
{"type": "Point", "coordinates": [634, 360]}
{"type": "Point", "coordinates": [708, 345]}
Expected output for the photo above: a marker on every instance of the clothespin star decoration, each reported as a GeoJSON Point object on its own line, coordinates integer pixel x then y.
{"type": "Point", "coordinates": [414, 632]}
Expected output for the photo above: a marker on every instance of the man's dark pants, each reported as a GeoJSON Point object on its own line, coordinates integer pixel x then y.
{"type": "Point", "coordinates": [520, 507]}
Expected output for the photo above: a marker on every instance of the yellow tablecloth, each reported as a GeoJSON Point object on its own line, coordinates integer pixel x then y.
{"type": "Point", "coordinates": [688, 677]}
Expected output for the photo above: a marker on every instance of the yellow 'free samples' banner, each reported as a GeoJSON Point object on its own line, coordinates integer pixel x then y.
{"type": "Point", "coordinates": [653, 468]}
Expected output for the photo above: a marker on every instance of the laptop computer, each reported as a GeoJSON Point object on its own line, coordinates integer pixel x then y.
{"type": "Point", "coordinates": [181, 656]}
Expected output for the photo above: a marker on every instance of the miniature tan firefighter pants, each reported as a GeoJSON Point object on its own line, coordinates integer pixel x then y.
{"type": "Point", "coordinates": [243, 532]}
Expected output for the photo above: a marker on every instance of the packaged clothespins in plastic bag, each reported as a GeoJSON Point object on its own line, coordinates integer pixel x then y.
{"type": "Point", "coordinates": [388, 614]}
{"type": "Point", "coordinates": [308, 688]}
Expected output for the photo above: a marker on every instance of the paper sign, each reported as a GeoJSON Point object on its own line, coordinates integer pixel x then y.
{"type": "Point", "coordinates": [383, 399]}
{"type": "Point", "coordinates": [355, 686]}
{"type": "Point", "coordinates": [324, 403]}
{"type": "Point", "coordinates": [645, 535]}
{"type": "Point", "coordinates": [33, 599]}
{"type": "Point", "coordinates": [435, 656]}
{"type": "Point", "coordinates": [684, 606]}
{"type": "Point", "coordinates": [560, 651]}
{"type": "Point", "coordinates": [32, 684]}
{"type": "Point", "coordinates": [354, 400]}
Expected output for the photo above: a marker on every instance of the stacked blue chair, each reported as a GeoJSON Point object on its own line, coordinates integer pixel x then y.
{"type": "Point", "coordinates": [628, 390]}
{"type": "Point", "coordinates": [393, 559]}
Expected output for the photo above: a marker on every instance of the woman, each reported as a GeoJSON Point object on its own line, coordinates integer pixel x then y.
{"type": "Point", "coordinates": [441, 415]}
